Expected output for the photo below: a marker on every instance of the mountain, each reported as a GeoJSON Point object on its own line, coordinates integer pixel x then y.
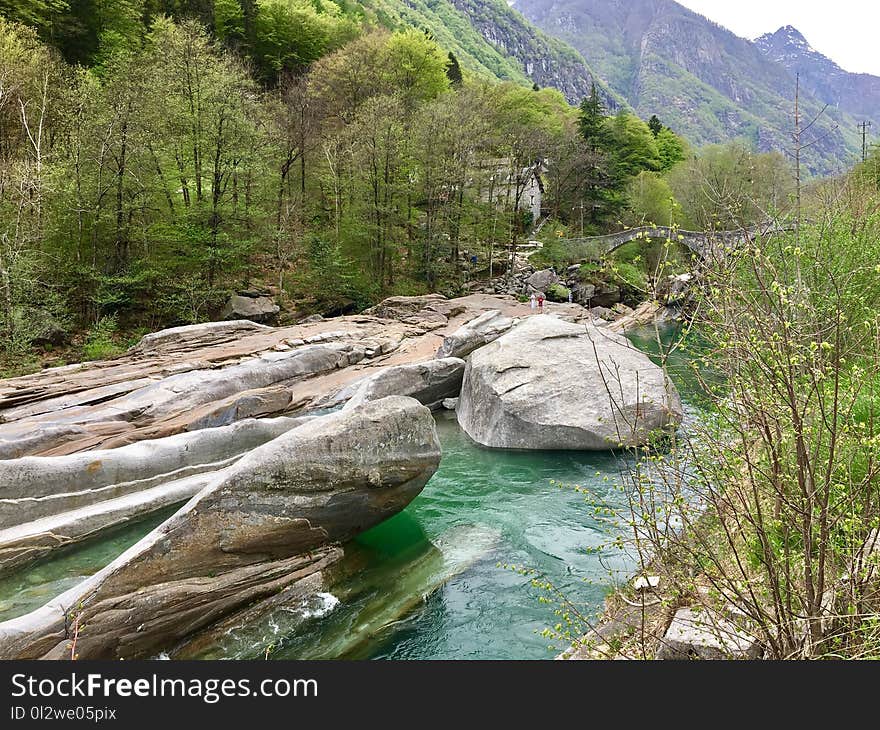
{"type": "Point", "coordinates": [698, 77]}
{"type": "Point", "coordinates": [490, 38]}
{"type": "Point", "coordinates": [855, 93]}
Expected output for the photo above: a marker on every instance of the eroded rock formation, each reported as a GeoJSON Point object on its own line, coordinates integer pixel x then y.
{"type": "Point", "coordinates": [253, 532]}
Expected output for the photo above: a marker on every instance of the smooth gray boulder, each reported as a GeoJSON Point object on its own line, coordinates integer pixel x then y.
{"type": "Point", "coordinates": [542, 280]}
{"type": "Point", "coordinates": [551, 384]}
{"type": "Point", "coordinates": [583, 293]}
{"type": "Point", "coordinates": [480, 331]}
{"type": "Point", "coordinates": [256, 309]}
{"type": "Point", "coordinates": [253, 533]}
{"type": "Point", "coordinates": [429, 382]}
{"type": "Point", "coordinates": [702, 634]}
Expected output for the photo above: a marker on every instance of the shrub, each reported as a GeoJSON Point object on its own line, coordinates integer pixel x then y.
{"type": "Point", "coordinates": [100, 343]}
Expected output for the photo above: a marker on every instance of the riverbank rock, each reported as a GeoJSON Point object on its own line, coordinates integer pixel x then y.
{"type": "Point", "coordinates": [605, 294]}
{"type": "Point", "coordinates": [255, 308]}
{"type": "Point", "coordinates": [43, 328]}
{"type": "Point", "coordinates": [255, 531]}
{"type": "Point", "coordinates": [702, 634]}
{"type": "Point", "coordinates": [551, 384]}
{"type": "Point", "coordinates": [51, 502]}
{"type": "Point", "coordinates": [480, 331]}
{"type": "Point", "coordinates": [187, 337]}
{"type": "Point", "coordinates": [542, 280]}
{"type": "Point", "coordinates": [428, 382]}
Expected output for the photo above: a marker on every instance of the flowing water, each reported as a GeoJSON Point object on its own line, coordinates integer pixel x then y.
{"type": "Point", "coordinates": [434, 582]}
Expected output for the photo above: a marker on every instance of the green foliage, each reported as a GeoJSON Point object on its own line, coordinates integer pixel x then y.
{"type": "Point", "coordinates": [290, 34]}
{"type": "Point", "coordinates": [725, 187]}
{"type": "Point", "coordinates": [558, 293]}
{"type": "Point", "coordinates": [671, 149]}
{"type": "Point", "coordinates": [651, 201]}
{"type": "Point", "coordinates": [591, 121]}
{"type": "Point", "coordinates": [634, 147]}
{"type": "Point", "coordinates": [38, 13]}
{"type": "Point", "coordinates": [453, 71]}
{"type": "Point", "coordinates": [100, 341]}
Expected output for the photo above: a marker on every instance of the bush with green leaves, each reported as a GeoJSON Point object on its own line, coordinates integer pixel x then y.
{"type": "Point", "coordinates": [101, 341]}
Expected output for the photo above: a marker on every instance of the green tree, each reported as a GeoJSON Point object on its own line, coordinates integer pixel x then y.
{"type": "Point", "coordinates": [729, 186]}
{"type": "Point", "coordinates": [655, 125]}
{"type": "Point", "coordinates": [37, 13]}
{"type": "Point", "coordinates": [633, 146]}
{"type": "Point", "coordinates": [592, 120]}
{"type": "Point", "coordinates": [651, 200]}
{"type": "Point", "coordinates": [671, 149]}
{"type": "Point", "coordinates": [414, 67]}
{"type": "Point", "coordinates": [453, 71]}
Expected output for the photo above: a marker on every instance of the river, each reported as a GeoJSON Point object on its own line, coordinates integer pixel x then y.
{"type": "Point", "coordinates": [435, 581]}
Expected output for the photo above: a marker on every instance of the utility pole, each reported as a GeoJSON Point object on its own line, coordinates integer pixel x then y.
{"type": "Point", "coordinates": [863, 126]}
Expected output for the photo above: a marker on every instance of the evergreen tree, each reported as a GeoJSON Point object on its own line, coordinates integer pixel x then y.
{"type": "Point", "coordinates": [592, 120]}
{"type": "Point", "coordinates": [655, 125]}
{"type": "Point", "coordinates": [453, 71]}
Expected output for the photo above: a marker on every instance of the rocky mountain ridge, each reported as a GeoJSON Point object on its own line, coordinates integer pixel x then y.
{"type": "Point", "coordinates": [700, 78]}
{"type": "Point", "coordinates": [855, 93]}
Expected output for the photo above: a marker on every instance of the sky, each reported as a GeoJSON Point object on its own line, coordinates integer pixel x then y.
{"type": "Point", "coordinates": [844, 30]}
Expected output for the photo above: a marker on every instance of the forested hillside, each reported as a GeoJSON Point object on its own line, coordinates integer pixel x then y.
{"type": "Point", "coordinates": [152, 165]}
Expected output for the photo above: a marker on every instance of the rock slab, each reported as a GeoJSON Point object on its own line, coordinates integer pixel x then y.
{"type": "Point", "coordinates": [704, 635]}
{"type": "Point", "coordinates": [480, 331]}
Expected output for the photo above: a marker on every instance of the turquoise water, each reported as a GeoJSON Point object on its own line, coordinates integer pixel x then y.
{"type": "Point", "coordinates": [24, 591]}
{"type": "Point", "coordinates": [431, 583]}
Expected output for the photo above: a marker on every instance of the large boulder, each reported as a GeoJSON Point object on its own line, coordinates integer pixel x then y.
{"type": "Point", "coordinates": [191, 335]}
{"type": "Point", "coordinates": [255, 308]}
{"type": "Point", "coordinates": [429, 382]}
{"type": "Point", "coordinates": [542, 280]}
{"type": "Point", "coordinates": [480, 331]}
{"type": "Point", "coordinates": [605, 295]}
{"type": "Point", "coordinates": [430, 311]}
{"type": "Point", "coordinates": [206, 397]}
{"type": "Point", "coordinates": [42, 327]}
{"type": "Point", "coordinates": [551, 384]}
{"type": "Point", "coordinates": [584, 293]}
{"type": "Point", "coordinates": [254, 533]}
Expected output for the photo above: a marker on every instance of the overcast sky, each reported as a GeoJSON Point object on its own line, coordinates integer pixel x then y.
{"type": "Point", "coordinates": [844, 30]}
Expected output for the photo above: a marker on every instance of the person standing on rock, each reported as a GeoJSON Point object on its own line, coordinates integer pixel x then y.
{"type": "Point", "coordinates": [532, 300]}
{"type": "Point", "coordinates": [541, 301]}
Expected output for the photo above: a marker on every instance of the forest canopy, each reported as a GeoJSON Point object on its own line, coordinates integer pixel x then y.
{"type": "Point", "coordinates": [156, 156]}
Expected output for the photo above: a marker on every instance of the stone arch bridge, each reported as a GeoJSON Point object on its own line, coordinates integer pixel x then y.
{"type": "Point", "coordinates": [704, 244]}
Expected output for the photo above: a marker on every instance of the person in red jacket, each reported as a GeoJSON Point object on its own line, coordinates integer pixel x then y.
{"type": "Point", "coordinates": [541, 302]}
